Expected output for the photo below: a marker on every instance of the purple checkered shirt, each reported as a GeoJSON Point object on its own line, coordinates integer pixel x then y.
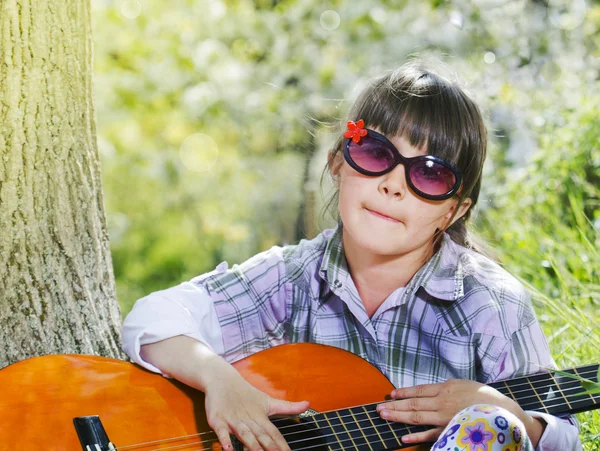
{"type": "Point", "coordinates": [460, 316]}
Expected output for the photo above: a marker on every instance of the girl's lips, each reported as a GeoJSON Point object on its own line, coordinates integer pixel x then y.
{"type": "Point", "coordinates": [381, 215]}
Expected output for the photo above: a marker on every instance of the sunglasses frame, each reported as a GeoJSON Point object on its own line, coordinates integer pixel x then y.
{"type": "Point", "coordinates": [407, 163]}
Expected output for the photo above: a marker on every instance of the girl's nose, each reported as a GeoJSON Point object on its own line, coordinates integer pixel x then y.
{"type": "Point", "coordinates": [394, 183]}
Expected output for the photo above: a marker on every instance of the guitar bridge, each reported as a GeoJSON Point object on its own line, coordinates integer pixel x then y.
{"type": "Point", "coordinates": [92, 435]}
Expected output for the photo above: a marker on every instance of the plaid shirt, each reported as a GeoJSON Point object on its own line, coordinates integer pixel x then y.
{"type": "Point", "coordinates": [460, 316]}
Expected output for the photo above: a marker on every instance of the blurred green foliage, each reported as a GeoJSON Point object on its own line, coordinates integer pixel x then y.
{"type": "Point", "coordinates": [545, 225]}
{"type": "Point", "coordinates": [263, 80]}
{"type": "Point", "coordinates": [214, 118]}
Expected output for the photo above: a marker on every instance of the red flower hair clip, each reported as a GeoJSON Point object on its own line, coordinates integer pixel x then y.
{"type": "Point", "coordinates": [356, 130]}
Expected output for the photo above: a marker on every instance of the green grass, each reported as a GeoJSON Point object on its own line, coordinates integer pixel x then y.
{"type": "Point", "coordinates": [545, 227]}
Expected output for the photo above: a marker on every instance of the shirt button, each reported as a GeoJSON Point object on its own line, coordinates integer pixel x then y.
{"type": "Point", "coordinates": [337, 283]}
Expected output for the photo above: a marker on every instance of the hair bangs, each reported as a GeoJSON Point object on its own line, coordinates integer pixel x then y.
{"type": "Point", "coordinates": [426, 110]}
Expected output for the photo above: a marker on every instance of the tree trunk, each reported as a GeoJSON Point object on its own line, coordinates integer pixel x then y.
{"type": "Point", "coordinates": [57, 289]}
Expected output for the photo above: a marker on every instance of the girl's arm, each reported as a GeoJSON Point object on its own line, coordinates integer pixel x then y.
{"type": "Point", "coordinates": [185, 309]}
{"type": "Point", "coordinates": [254, 291]}
{"type": "Point", "coordinates": [233, 406]}
{"type": "Point", "coordinates": [179, 332]}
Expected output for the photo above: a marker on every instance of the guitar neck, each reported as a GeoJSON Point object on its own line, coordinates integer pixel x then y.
{"type": "Point", "coordinates": [361, 428]}
{"type": "Point", "coordinates": [552, 393]}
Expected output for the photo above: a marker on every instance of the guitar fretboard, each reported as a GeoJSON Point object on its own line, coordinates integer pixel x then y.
{"type": "Point", "coordinates": [360, 428]}
{"type": "Point", "coordinates": [552, 392]}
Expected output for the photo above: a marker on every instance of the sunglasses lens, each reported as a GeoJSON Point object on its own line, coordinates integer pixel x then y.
{"type": "Point", "coordinates": [432, 178]}
{"type": "Point", "coordinates": [371, 154]}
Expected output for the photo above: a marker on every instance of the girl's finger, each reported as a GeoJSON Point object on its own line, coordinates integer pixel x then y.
{"type": "Point", "coordinates": [411, 404]}
{"type": "Point", "coordinates": [412, 417]}
{"type": "Point", "coordinates": [418, 391]}
{"type": "Point", "coordinates": [223, 436]}
{"type": "Point", "coordinates": [278, 439]}
{"type": "Point", "coordinates": [267, 442]}
{"type": "Point", "coordinates": [247, 436]}
{"type": "Point", "coordinates": [267, 435]}
{"type": "Point", "coordinates": [430, 435]}
{"type": "Point", "coordinates": [282, 407]}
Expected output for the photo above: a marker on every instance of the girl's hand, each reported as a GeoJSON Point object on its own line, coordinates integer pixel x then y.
{"type": "Point", "coordinates": [436, 405]}
{"type": "Point", "coordinates": [233, 406]}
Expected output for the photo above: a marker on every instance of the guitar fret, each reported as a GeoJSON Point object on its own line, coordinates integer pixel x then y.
{"type": "Point", "coordinates": [574, 392]}
{"type": "Point", "coordinates": [314, 418]}
{"type": "Point", "coordinates": [374, 427]}
{"type": "Point", "coordinates": [362, 429]}
{"type": "Point", "coordinates": [526, 395]}
{"type": "Point", "coordinates": [367, 441]}
{"type": "Point", "coordinates": [546, 386]}
{"type": "Point", "coordinates": [383, 429]}
{"type": "Point", "coordinates": [408, 428]}
{"type": "Point", "coordinates": [589, 394]}
{"type": "Point", "coordinates": [339, 430]}
{"type": "Point", "coordinates": [537, 394]}
{"type": "Point", "coordinates": [389, 423]}
{"type": "Point", "coordinates": [347, 431]}
{"type": "Point", "coordinates": [512, 395]}
{"type": "Point", "coordinates": [560, 391]}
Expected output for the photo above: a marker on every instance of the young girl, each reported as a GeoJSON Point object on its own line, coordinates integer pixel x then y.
{"type": "Point", "coordinates": [396, 283]}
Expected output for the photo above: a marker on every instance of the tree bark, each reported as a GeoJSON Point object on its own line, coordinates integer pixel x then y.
{"type": "Point", "coordinates": [57, 289]}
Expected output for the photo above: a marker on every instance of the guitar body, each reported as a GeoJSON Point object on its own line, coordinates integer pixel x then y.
{"type": "Point", "coordinates": [41, 396]}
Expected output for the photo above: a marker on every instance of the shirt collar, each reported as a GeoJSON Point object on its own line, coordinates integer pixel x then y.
{"type": "Point", "coordinates": [441, 277]}
{"type": "Point", "coordinates": [334, 265]}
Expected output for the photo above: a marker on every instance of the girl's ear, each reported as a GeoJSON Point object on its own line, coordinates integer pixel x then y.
{"type": "Point", "coordinates": [453, 215]}
{"type": "Point", "coordinates": [334, 163]}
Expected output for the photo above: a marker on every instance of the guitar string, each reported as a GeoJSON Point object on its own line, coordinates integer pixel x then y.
{"type": "Point", "coordinates": [348, 432]}
{"type": "Point", "coordinates": [514, 392]}
{"type": "Point", "coordinates": [295, 425]}
{"type": "Point", "coordinates": [354, 440]}
{"type": "Point", "coordinates": [390, 433]}
{"type": "Point", "coordinates": [324, 436]}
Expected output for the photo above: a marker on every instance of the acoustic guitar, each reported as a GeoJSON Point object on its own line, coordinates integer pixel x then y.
{"type": "Point", "coordinates": [77, 402]}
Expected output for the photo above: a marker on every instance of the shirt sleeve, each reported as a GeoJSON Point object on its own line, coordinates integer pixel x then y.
{"type": "Point", "coordinates": [235, 311]}
{"type": "Point", "coordinates": [252, 303]}
{"type": "Point", "coordinates": [185, 309]}
{"type": "Point", "coordinates": [561, 433]}
{"type": "Point", "coordinates": [527, 353]}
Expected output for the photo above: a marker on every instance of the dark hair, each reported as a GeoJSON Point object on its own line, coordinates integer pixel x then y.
{"type": "Point", "coordinates": [428, 111]}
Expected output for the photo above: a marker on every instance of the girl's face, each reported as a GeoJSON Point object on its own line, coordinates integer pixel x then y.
{"type": "Point", "coordinates": [382, 216]}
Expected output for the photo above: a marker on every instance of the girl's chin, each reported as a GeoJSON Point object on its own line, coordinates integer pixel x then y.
{"type": "Point", "coordinates": [381, 240]}
{"type": "Point", "coordinates": [375, 243]}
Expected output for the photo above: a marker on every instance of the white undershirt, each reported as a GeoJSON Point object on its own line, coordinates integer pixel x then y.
{"type": "Point", "coordinates": [185, 309]}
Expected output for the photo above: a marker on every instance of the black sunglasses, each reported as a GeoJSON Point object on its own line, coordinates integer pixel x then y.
{"type": "Point", "coordinates": [373, 154]}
